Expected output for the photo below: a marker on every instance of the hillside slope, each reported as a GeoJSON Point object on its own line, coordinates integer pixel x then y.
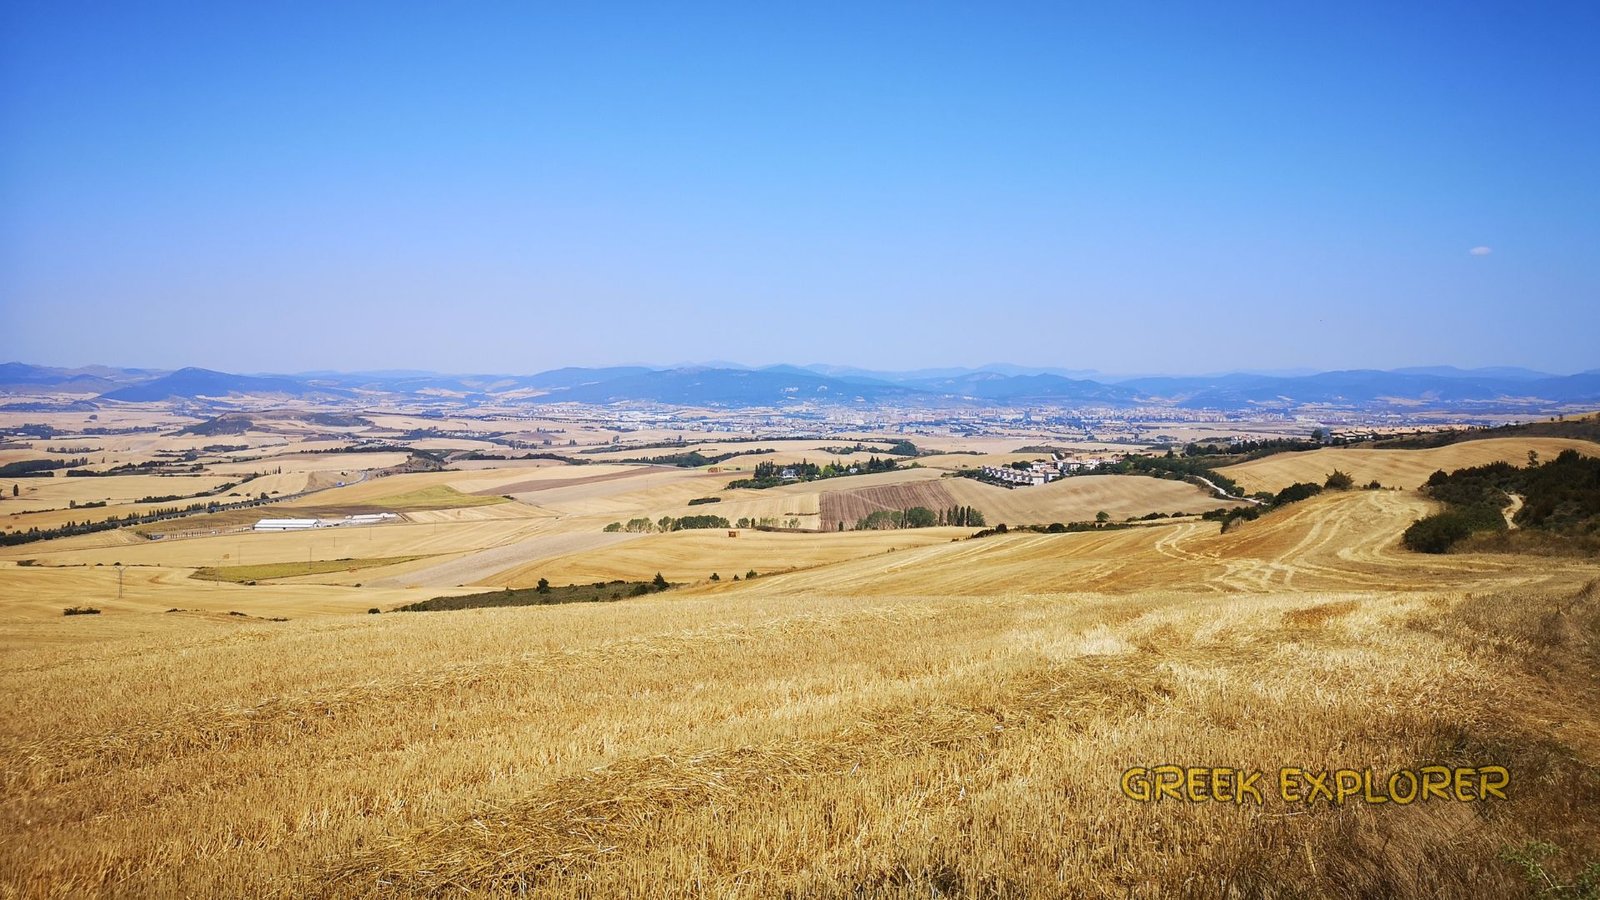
{"type": "Point", "coordinates": [1394, 468]}
{"type": "Point", "coordinates": [795, 736]}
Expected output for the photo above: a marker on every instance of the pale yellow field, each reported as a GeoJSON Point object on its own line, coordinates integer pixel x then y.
{"type": "Point", "coordinates": [821, 733]}
{"type": "Point", "coordinates": [1332, 542]}
{"type": "Point", "coordinates": [1394, 468]}
{"type": "Point", "coordinates": [640, 488]}
{"type": "Point", "coordinates": [38, 594]}
{"type": "Point", "coordinates": [288, 546]}
{"type": "Point", "coordinates": [54, 493]}
{"type": "Point", "coordinates": [1080, 497]}
{"type": "Point", "coordinates": [884, 714]}
{"type": "Point", "coordinates": [285, 483]}
{"type": "Point", "coordinates": [690, 556]}
{"type": "Point", "coordinates": [313, 462]}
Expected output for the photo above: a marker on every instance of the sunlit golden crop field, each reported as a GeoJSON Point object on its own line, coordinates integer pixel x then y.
{"type": "Point", "coordinates": [900, 713]}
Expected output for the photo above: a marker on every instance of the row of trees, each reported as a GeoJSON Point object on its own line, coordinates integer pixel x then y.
{"type": "Point", "coordinates": [668, 523]}
{"type": "Point", "coordinates": [39, 468]}
{"type": "Point", "coordinates": [918, 517]}
{"type": "Point", "coordinates": [769, 474]}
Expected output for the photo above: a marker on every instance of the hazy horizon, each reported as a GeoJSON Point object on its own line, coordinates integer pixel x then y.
{"type": "Point", "coordinates": [503, 189]}
{"type": "Point", "coordinates": [1088, 374]}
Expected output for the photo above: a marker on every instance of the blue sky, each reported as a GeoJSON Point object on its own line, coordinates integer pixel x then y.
{"type": "Point", "coordinates": [515, 187]}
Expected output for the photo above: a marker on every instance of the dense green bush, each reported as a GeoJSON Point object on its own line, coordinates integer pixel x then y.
{"type": "Point", "coordinates": [1294, 493]}
{"type": "Point", "coordinates": [1436, 533]}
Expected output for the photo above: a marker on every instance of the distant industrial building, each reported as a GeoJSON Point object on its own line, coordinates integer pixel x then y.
{"type": "Point", "coordinates": [288, 524]}
{"type": "Point", "coordinates": [307, 524]}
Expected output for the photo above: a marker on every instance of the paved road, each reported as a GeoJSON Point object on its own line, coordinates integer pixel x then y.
{"type": "Point", "coordinates": [1222, 493]}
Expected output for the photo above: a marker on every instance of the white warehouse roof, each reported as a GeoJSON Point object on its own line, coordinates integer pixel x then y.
{"type": "Point", "coordinates": [288, 523]}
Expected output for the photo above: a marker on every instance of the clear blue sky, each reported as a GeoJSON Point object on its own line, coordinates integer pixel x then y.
{"type": "Point", "coordinates": [519, 186]}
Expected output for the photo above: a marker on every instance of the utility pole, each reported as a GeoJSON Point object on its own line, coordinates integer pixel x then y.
{"type": "Point", "coordinates": [120, 570]}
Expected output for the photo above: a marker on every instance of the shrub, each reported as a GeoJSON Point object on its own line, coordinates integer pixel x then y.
{"type": "Point", "coordinates": [80, 611]}
{"type": "Point", "coordinates": [374, 611]}
{"type": "Point", "coordinates": [1434, 534]}
{"type": "Point", "coordinates": [1296, 492]}
{"type": "Point", "coordinates": [1339, 481]}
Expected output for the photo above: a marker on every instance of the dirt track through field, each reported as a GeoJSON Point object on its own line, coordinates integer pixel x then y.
{"type": "Point", "coordinates": [1346, 541]}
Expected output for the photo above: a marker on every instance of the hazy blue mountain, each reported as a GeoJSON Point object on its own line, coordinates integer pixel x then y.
{"type": "Point", "coordinates": [719, 386]}
{"type": "Point", "coordinates": [573, 376]}
{"type": "Point", "coordinates": [727, 387]}
{"type": "Point", "coordinates": [854, 373]}
{"type": "Point", "coordinates": [87, 379]}
{"type": "Point", "coordinates": [1502, 372]}
{"type": "Point", "coordinates": [1009, 369]}
{"type": "Point", "coordinates": [192, 383]}
{"type": "Point", "coordinates": [921, 375]}
{"type": "Point", "coordinates": [1361, 386]}
{"type": "Point", "coordinates": [1583, 387]}
{"type": "Point", "coordinates": [1023, 388]}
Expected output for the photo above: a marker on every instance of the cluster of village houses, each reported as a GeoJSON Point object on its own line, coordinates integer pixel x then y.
{"type": "Point", "coordinates": [307, 524]}
{"type": "Point", "coordinates": [1040, 472]}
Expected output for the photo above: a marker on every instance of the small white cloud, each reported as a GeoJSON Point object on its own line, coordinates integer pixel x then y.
{"type": "Point", "coordinates": [1481, 251]}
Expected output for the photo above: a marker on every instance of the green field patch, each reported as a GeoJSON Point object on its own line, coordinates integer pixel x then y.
{"type": "Point", "coordinates": [440, 496]}
{"type": "Point", "coordinates": [269, 571]}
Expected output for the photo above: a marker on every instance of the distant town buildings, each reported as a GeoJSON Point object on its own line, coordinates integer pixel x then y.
{"type": "Point", "coordinates": [1040, 472]}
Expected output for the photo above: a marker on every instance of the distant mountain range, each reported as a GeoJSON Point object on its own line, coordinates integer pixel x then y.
{"type": "Point", "coordinates": [726, 385]}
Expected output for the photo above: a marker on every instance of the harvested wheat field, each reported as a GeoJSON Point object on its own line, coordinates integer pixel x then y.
{"type": "Point", "coordinates": [1076, 499]}
{"type": "Point", "coordinates": [950, 719]}
{"type": "Point", "coordinates": [1394, 468]}
{"type": "Point", "coordinates": [1079, 498]}
{"type": "Point", "coordinates": [39, 594]}
{"type": "Point", "coordinates": [845, 507]}
{"type": "Point", "coordinates": [692, 556]}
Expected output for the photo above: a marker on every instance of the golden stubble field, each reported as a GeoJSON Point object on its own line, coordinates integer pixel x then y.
{"type": "Point", "coordinates": [878, 714]}
{"type": "Point", "coordinates": [945, 720]}
{"type": "Point", "coordinates": [1393, 468]}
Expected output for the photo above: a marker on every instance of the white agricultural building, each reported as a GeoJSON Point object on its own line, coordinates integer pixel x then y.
{"type": "Point", "coordinates": [288, 524]}
{"type": "Point", "coordinates": [305, 524]}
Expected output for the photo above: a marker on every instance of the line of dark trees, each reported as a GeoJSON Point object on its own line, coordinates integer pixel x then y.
{"type": "Point", "coordinates": [1257, 448]}
{"type": "Point", "coordinates": [918, 517]}
{"type": "Point", "coordinates": [39, 468]}
{"type": "Point", "coordinates": [692, 459]}
{"type": "Point", "coordinates": [769, 474]}
{"type": "Point", "coordinates": [668, 523]}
